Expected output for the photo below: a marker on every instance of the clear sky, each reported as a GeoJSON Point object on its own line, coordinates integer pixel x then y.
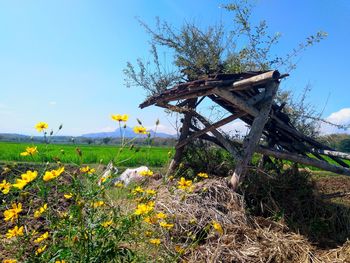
{"type": "Point", "coordinates": [62, 61]}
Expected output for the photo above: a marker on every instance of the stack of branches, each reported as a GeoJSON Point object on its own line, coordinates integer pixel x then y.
{"type": "Point", "coordinates": [243, 238]}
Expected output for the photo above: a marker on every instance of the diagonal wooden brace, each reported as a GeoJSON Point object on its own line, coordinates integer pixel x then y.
{"type": "Point", "coordinates": [210, 128]}
{"type": "Point", "coordinates": [257, 127]}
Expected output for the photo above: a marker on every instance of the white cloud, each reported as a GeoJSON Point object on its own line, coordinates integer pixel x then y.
{"type": "Point", "coordinates": [341, 117]}
{"type": "Point", "coordinates": [52, 103]}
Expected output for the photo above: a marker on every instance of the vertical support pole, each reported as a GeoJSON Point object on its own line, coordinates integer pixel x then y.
{"type": "Point", "coordinates": [183, 135]}
{"type": "Point", "coordinates": [253, 138]}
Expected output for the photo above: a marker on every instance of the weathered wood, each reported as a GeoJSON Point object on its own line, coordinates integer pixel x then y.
{"type": "Point", "coordinates": [212, 127]}
{"type": "Point", "coordinates": [288, 156]}
{"type": "Point", "coordinates": [247, 93]}
{"type": "Point", "coordinates": [185, 96]}
{"type": "Point", "coordinates": [256, 80]}
{"type": "Point", "coordinates": [183, 135]}
{"type": "Point", "coordinates": [253, 138]}
{"type": "Point", "coordinates": [243, 105]}
{"type": "Point", "coordinates": [332, 153]}
{"type": "Point", "coordinates": [177, 109]}
{"type": "Point", "coordinates": [303, 160]}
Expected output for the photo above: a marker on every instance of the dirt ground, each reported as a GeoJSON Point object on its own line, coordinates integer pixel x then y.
{"type": "Point", "coordinates": [335, 188]}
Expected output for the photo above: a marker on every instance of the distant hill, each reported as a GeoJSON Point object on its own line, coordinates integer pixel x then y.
{"type": "Point", "coordinates": [126, 132]}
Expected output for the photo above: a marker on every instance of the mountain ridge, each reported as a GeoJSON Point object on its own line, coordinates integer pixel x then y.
{"type": "Point", "coordinates": [127, 133]}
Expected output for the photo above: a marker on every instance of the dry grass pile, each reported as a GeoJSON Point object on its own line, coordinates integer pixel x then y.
{"type": "Point", "coordinates": [242, 238]}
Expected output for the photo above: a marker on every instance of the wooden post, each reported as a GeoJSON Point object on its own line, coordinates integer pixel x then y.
{"type": "Point", "coordinates": [183, 135]}
{"type": "Point", "coordinates": [253, 138]}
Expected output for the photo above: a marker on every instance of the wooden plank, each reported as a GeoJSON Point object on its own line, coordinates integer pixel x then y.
{"type": "Point", "coordinates": [212, 127]}
{"type": "Point", "coordinates": [333, 153]}
{"type": "Point", "coordinates": [256, 80]}
{"type": "Point", "coordinates": [253, 138]}
{"type": "Point", "coordinates": [303, 160]}
{"type": "Point", "coordinates": [243, 105]}
{"type": "Point", "coordinates": [174, 108]}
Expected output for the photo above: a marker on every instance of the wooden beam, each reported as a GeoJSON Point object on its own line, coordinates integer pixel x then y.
{"type": "Point", "coordinates": [243, 105]}
{"type": "Point", "coordinates": [177, 109]}
{"type": "Point", "coordinates": [212, 127]}
{"type": "Point", "coordinates": [333, 153]}
{"type": "Point", "coordinates": [303, 160]}
{"type": "Point", "coordinates": [298, 159]}
{"type": "Point", "coordinates": [253, 138]}
{"type": "Point", "coordinates": [256, 80]}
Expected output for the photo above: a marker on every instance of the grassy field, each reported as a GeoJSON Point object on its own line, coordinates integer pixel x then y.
{"type": "Point", "coordinates": [154, 156]}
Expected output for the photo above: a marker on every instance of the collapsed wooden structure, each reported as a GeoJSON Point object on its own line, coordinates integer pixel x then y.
{"type": "Point", "coordinates": [250, 98]}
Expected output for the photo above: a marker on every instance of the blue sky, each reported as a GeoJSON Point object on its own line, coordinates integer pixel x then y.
{"type": "Point", "coordinates": [62, 61]}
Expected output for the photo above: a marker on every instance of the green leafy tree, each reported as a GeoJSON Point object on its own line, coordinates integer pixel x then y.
{"type": "Point", "coordinates": [198, 52]}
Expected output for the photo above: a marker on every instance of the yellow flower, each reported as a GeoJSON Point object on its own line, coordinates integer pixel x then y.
{"type": "Point", "coordinates": [166, 225]}
{"type": "Point", "coordinates": [42, 237]}
{"type": "Point", "coordinates": [9, 261]}
{"type": "Point", "coordinates": [50, 175]}
{"type": "Point", "coordinates": [40, 211]}
{"type": "Point", "coordinates": [161, 215]}
{"type": "Point", "coordinates": [184, 184]}
{"type": "Point", "coordinates": [40, 126]}
{"type": "Point", "coordinates": [155, 241]}
{"type": "Point", "coordinates": [97, 204]}
{"type": "Point", "coordinates": [140, 130]}
{"type": "Point", "coordinates": [87, 170]}
{"type": "Point", "coordinates": [29, 151]}
{"type": "Point", "coordinates": [40, 250]}
{"type": "Point", "coordinates": [137, 190]}
{"type": "Point", "coordinates": [14, 232]}
{"type": "Point", "coordinates": [12, 213]}
{"type": "Point", "coordinates": [68, 196]}
{"type": "Point", "coordinates": [216, 225]}
{"type": "Point", "coordinates": [143, 209]}
{"type": "Point", "coordinates": [5, 187]}
{"type": "Point", "coordinates": [20, 184]}
{"type": "Point", "coordinates": [119, 184]}
{"type": "Point", "coordinates": [119, 117]}
{"type": "Point", "coordinates": [107, 223]}
{"type": "Point", "coordinates": [25, 179]}
{"type": "Point", "coordinates": [104, 179]}
{"type": "Point", "coordinates": [203, 175]}
{"type": "Point", "coordinates": [146, 173]}
{"type": "Point", "coordinates": [151, 192]}
{"type": "Point", "coordinates": [60, 261]}
{"type": "Point", "coordinates": [150, 220]}
{"type": "Point", "coordinates": [179, 249]}
{"type": "Point", "coordinates": [29, 176]}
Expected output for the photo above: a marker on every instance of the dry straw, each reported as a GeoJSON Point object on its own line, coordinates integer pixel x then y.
{"type": "Point", "coordinates": [244, 238]}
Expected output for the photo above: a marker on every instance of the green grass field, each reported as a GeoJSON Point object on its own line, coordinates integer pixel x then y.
{"type": "Point", "coordinates": [153, 157]}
